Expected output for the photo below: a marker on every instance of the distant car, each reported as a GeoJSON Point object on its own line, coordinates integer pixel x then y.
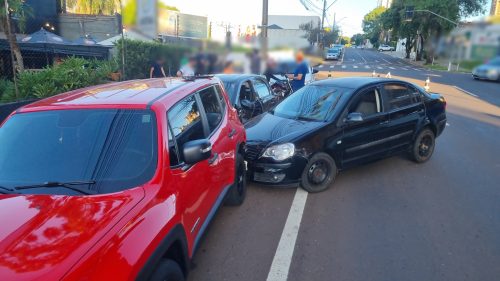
{"type": "Point", "coordinates": [339, 46]}
{"type": "Point", "coordinates": [332, 54]}
{"type": "Point", "coordinates": [383, 48]}
{"type": "Point", "coordinates": [488, 71]}
{"type": "Point", "coordinates": [250, 94]}
{"type": "Point", "coordinates": [334, 124]}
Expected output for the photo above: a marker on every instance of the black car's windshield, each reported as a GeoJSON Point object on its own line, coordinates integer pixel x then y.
{"type": "Point", "coordinates": [312, 102]}
{"type": "Point", "coordinates": [110, 149]}
{"type": "Point", "coordinates": [333, 51]}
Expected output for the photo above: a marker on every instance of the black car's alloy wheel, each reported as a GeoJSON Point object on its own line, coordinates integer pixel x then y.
{"type": "Point", "coordinates": [237, 193]}
{"type": "Point", "coordinates": [423, 147]}
{"type": "Point", "coordinates": [319, 173]}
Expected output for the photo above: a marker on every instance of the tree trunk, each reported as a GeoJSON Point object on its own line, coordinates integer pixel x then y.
{"type": "Point", "coordinates": [409, 46]}
{"type": "Point", "coordinates": [14, 47]}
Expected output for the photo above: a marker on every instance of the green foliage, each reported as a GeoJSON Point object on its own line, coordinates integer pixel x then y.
{"type": "Point", "coordinates": [140, 55]}
{"type": "Point", "coordinates": [357, 39]}
{"type": "Point", "coordinates": [372, 24]}
{"type": "Point", "coordinates": [71, 74]}
{"type": "Point", "coordinates": [6, 88]}
{"type": "Point", "coordinates": [94, 7]}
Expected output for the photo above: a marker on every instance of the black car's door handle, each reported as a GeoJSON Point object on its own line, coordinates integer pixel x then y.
{"type": "Point", "coordinates": [213, 159]}
{"type": "Point", "coordinates": [232, 133]}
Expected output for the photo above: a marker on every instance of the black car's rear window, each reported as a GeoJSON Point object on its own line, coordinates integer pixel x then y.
{"type": "Point", "coordinates": [115, 148]}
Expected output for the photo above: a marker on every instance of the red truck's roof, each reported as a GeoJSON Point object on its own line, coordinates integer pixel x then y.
{"type": "Point", "coordinates": [130, 94]}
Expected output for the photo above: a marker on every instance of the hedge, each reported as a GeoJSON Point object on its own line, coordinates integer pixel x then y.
{"type": "Point", "coordinates": [140, 55]}
{"type": "Point", "coordinates": [71, 74]}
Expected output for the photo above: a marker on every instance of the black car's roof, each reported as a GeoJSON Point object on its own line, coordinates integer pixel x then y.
{"type": "Point", "coordinates": [235, 77]}
{"type": "Point", "coordinates": [353, 82]}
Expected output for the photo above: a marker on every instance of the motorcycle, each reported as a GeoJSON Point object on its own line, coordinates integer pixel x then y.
{"type": "Point", "coordinates": [282, 88]}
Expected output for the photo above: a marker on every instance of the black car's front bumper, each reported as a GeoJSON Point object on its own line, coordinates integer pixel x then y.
{"type": "Point", "coordinates": [268, 172]}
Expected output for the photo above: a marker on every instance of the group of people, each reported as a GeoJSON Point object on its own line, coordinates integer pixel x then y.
{"type": "Point", "coordinates": [192, 68]}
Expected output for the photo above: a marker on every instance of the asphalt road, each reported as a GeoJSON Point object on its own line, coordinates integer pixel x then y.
{"type": "Point", "coordinates": [389, 220]}
{"type": "Point", "coordinates": [358, 60]}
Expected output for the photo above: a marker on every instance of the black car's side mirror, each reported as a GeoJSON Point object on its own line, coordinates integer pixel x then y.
{"type": "Point", "coordinates": [247, 104]}
{"type": "Point", "coordinates": [196, 151]}
{"type": "Point", "coordinates": [354, 117]}
{"type": "Point", "coordinates": [315, 70]}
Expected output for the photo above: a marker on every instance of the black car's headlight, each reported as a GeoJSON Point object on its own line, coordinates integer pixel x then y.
{"type": "Point", "coordinates": [280, 152]}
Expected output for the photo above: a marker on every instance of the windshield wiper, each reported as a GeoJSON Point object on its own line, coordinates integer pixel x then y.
{"type": "Point", "coordinates": [305, 118]}
{"type": "Point", "coordinates": [9, 190]}
{"type": "Point", "coordinates": [69, 185]}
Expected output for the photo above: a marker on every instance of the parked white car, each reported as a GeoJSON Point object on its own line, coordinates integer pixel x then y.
{"type": "Point", "coordinates": [383, 48]}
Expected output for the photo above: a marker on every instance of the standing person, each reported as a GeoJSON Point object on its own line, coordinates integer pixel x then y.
{"type": "Point", "coordinates": [156, 70]}
{"type": "Point", "coordinates": [255, 62]}
{"type": "Point", "coordinates": [228, 68]}
{"type": "Point", "coordinates": [187, 69]}
{"type": "Point", "coordinates": [299, 75]}
{"type": "Point", "coordinates": [271, 71]}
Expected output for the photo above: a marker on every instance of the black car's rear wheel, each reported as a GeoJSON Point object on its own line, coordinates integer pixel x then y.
{"type": "Point", "coordinates": [319, 173]}
{"type": "Point", "coordinates": [237, 193]}
{"type": "Point", "coordinates": [168, 270]}
{"type": "Point", "coordinates": [423, 146]}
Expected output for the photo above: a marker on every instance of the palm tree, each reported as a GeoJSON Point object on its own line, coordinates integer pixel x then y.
{"type": "Point", "coordinates": [7, 9]}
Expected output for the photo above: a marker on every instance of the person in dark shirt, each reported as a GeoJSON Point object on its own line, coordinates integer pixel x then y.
{"type": "Point", "coordinates": [156, 70]}
{"type": "Point", "coordinates": [299, 75]}
{"type": "Point", "coordinates": [271, 71]}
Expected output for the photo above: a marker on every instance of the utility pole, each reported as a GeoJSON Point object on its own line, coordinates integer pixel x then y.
{"type": "Point", "coordinates": [323, 24]}
{"type": "Point", "coordinates": [123, 40]}
{"type": "Point", "coordinates": [263, 34]}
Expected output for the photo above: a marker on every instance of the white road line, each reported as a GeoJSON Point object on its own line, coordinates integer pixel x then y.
{"type": "Point", "coordinates": [320, 66]}
{"type": "Point", "coordinates": [332, 66]}
{"type": "Point", "coordinates": [467, 92]}
{"type": "Point", "coordinates": [379, 67]}
{"type": "Point", "coordinates": [344, 66]}
{"type": "Point", "coordinates": [367, 66]}
{"type": "Point", "coordinates": [284, 253]}
{"type": "Point", "coordinates": [361, 56]}
{"type": "Point", "coordinates": [416, 69]}
{"type": "Point", "coordinates": [355, 66]}
{"type": "Point", "coordinates": [391, 67]}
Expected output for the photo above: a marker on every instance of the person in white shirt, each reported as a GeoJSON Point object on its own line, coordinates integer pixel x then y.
{"type": "Point", "coordinates": [187, 69]}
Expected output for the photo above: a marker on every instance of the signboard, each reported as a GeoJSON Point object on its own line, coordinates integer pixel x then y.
{"type": "Point", "coordinates": [147, 16]}
{"type": "Point", "coordinates": [178, 24]}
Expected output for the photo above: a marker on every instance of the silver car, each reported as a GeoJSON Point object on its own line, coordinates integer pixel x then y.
{"type": "Point", "coordinates": [332, 54]}
{"type": "Point", "coordinates": [488, 71]}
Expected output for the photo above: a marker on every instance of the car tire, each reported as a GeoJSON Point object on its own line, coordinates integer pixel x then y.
{"type": "Point", "coordinates": [237, 192]}
{"type": "Point", "coordinates": [423, 146]}
{"type": "Point", "coordinates": [319, 173]}
{"type": "Point", "coordinates": [168, 270]}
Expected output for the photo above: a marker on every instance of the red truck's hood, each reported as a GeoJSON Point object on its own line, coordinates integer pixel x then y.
{"type": "Point", "coordinates": [42, 236]}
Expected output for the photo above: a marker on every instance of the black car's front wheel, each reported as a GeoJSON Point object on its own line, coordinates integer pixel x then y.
{"type": "Point", "coordinates": [168, 270]}
{"type": "Point", "coordinates": [237, 193]}
{"type": "Point", "coordinates": [423, 146]}
{"type": "Point", "coordinates": [319, 173]}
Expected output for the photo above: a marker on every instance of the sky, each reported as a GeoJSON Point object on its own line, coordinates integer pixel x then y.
{"type": "Point", "coordinates": [349, 13]}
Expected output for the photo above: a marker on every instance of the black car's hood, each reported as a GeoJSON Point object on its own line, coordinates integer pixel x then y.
{"type": "Point", "coordinates": [271, 129]}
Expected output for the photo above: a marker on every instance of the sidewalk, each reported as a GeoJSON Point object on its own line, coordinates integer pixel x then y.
{"type": "Point", "coordinates": [439, 65]}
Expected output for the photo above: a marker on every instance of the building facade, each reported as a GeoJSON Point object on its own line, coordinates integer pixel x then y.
{"type": "Point", "coordinates": [495, 8]}
{"type": "Point", "coordinates": [384, 3]}
{"type": "Point", "coordinates": [284, 31]}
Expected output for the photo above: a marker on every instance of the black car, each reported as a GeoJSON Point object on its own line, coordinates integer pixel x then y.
{"type": "Point", "coordinates": [250, 94]}
{"type": "Point", "coordinates": [334, 124]}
